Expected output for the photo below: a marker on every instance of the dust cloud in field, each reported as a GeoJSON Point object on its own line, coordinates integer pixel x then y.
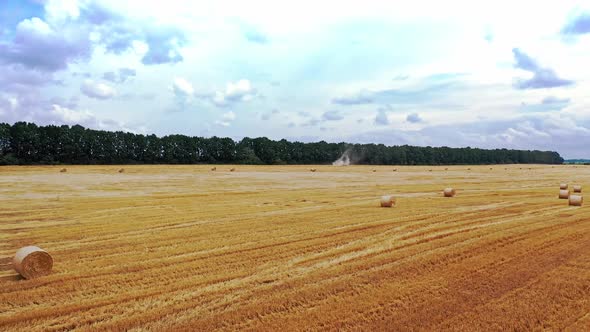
{"type": "Point", "coordinates": [344, 159]}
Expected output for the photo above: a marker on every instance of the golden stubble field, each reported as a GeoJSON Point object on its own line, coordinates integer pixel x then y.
{"type": "Point", "coordinates": [281, 248]}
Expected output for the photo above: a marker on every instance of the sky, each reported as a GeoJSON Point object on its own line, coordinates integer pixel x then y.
{"type": "Point", "coordinates": [501, 74]}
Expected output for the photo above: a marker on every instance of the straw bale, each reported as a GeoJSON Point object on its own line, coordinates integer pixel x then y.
{"type": "Point", "coordinates": [32, 262]}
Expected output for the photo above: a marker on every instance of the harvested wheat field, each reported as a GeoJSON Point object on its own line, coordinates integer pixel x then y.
{"type": "Point", "coordinates": [282, 248]}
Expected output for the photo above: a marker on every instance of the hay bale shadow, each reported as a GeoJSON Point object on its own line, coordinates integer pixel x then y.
{"type": "Point", "coordinates": [6, 266]}
{"type": "Point", "coordinates": [16, 277]}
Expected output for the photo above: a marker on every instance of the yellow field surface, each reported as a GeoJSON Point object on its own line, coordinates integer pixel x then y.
{"type": "Point", "coordinates": [280, 248]}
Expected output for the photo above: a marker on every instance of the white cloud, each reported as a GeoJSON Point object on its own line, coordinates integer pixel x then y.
{"type": "Point", "coordinates": [524, 130]}
{"type": "Point", "coordinates": [35, 44]}
{"type": "Point", "coordinates": [219, 98]}
{"type": "Point", "coordinates": [97, 90]}
{"type": "Point", "coordinates": [237, 90]}
{"type": "Point", "coordinates": [8, 106]}
{"type": "Point", "coordinates": [8, 102]}
{"type": "Point", "coordinates": [241, 90]}
{"type": "Point", "coordinates": [64, 115]}
{"type": "Point", "coordinates": [566, 125]}
{"type": "Point", "coordinates": [182, 87]}
{"type": "Point", "coordinates": [59, 10]}
{"type": "Point", "coordinates": [229, 116]}
{"type": "Point", "coordinates": [226, 119]}
{"type": "Point", "coordinates": [68, 116]}
{"type": "Point", "coordinates": [34, 26]}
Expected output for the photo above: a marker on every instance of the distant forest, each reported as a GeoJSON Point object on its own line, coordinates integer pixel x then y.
{"type": "Point", "coordinates": [28, 144]}
{"type": "Point", "coordinates": [578, 161]}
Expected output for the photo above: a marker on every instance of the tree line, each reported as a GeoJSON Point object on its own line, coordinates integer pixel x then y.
{"type": "Point", "coordinates": [28, 144]}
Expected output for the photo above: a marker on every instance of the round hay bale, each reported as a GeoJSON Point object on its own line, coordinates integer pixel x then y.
{"type": "Point", "coordinates": [395, 169]}
{"type": "Point", "coordinates": [469, 169]}
{"type": "Point", "coordinates": [564, 194]}
{"type": "Point", "coordinates": [563, 186]}
{"type": "Point", "coordinates": [232, 170]}
{"type": "Point", "coordinates": [122, 170]}
{"type": "Point", "coordinates": [446, 169]}
{"type": "Point", "coordinates": [449, 192]}
{"type": "Point", "coordinates": [312, 170]}
{"type": "Point", "coordinates": [63, 170]}
{"type": "Point", "coordinates": [213, 169]}
{"type": "Point", "coordinates": [374, 170]}
{"type": "Point", "coordinates": [387, 201]}
{"type": "Point", "coordinates": [577, 189]}
{"type": "Point", "coordinates": [576, 200]}
{"type": "Point", "coordinates": [32, 262]}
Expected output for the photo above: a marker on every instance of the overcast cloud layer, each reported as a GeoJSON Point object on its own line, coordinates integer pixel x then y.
{"type": "Point", "coordinates": [502, 74]}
